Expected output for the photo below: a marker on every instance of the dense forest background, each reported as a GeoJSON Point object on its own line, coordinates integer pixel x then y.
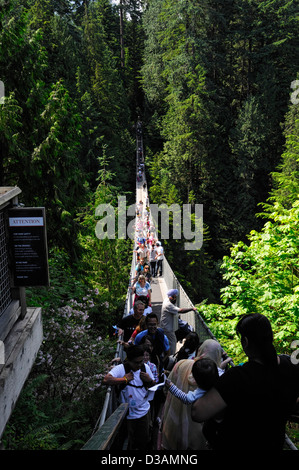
{"type": "Point", "coordinates": [211, 81]}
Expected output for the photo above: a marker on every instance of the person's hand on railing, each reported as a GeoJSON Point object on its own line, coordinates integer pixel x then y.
{"type": "Point", "coordinates": [124, 344]}
{"type": "Point", "coordinates": [116, 360]}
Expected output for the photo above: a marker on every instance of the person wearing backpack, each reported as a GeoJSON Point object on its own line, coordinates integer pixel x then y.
{"type": "Point", "coordinates": [134, 378]}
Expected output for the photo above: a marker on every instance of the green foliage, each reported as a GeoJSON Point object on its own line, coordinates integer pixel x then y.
{"type": "Point", "coordinates": [262, 277]}
{"type": "Point", "coordinates": [217, 75]}
{"type": "Point", "coordinates": [105, 263]}
{"type": "Point", "coordinates": [213, 79]}
{"type": "Point", "coordinates": [34, 428]}
{"type": "Point", "coordinates": [262, 274]}
{"type": "Point", "coordinates": [286, 179]}
{"type": "Point", "coordinates": [66, 142]}
{"type": "Point", "coordinates": [248, 141]}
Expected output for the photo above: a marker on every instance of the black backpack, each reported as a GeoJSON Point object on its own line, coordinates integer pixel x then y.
{"type": "Point", "coordinates": [127, 369]}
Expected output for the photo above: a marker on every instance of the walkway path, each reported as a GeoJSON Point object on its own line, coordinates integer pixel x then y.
{"type": "Point", "coordinates": [159, 287]}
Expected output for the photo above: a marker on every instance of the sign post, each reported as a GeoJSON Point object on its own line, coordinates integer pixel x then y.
{"type": "Point", "coordinates": [28, 246]}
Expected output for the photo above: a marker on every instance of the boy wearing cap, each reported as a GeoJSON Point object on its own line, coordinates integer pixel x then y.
{"type": "Point", "coordinates": [169, 317]}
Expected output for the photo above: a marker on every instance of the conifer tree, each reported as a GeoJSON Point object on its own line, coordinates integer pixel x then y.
{"type": "Point", "coordinates": [286, 178]}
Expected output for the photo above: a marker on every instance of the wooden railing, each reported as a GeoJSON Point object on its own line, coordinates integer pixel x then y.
{"type": "Point", "coordinates": [108, 436]}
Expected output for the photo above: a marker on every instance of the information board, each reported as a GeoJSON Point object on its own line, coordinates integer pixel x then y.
{"type": "Point", "coordinates": [28, 246]}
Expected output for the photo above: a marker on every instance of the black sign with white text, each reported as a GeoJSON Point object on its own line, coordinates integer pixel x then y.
{"type": "Point", "coordinates": [28, 246]}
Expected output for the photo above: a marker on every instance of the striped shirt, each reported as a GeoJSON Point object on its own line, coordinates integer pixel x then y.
{"type": "Point", "coordinates": [186, 398]}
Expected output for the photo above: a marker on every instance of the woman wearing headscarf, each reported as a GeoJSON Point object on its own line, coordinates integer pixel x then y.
{"type": "Point", "coordinates": [212, 349]}
{"type": "Point", "coordinates": [180, 432]}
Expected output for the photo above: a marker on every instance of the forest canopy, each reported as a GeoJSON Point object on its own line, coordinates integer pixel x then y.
{"type": "Point", "coordinates": [216, 85]}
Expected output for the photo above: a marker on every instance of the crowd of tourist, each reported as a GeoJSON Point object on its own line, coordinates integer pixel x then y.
{"type": "Point", "coordinates": [205, 402]}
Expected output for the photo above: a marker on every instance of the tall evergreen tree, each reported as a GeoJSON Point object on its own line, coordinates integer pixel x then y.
{"type": "Point", "coordinates": [286, 179]}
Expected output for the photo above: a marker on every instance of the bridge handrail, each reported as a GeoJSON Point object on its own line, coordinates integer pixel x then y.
{"type": "Point", "coordinates": [104, 437]}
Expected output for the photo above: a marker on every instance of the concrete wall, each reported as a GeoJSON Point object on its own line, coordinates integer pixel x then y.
{"type": "Point", "coordinates": [20, 348]}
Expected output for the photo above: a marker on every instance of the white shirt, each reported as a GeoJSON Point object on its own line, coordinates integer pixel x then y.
{"type": "Point", "coordinates": [136, 397]}
{"type": "Point", "coordinates": [160, 252]}
{"type": "Point", "coordinates": [142, 290]}
{"type": "Point", "coordinates": [169, 316]}
{"type": "Point", "coordinates": [143, 252]}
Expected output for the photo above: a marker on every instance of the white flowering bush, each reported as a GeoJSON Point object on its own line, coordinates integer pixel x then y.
{"type": "Point", "coordinates": [73, 355]}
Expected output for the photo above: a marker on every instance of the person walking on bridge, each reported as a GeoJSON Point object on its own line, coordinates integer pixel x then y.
{"type": "Point", "coordinates": [127, 324]}
{"type": "Point", "coordinates": [134, 377]}
{"type": "Point", "coordinates": [169, 317]}
{"type": "Point", "coordinates": [160, 340]}
{"type": "Point", "coordinates": [159, 258]}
